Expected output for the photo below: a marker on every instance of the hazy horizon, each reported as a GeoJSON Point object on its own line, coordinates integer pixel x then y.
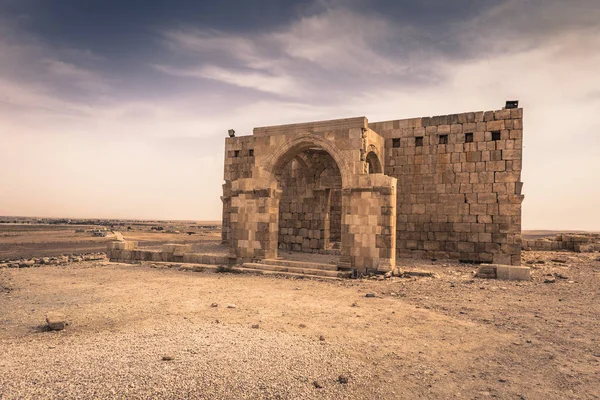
{"type": "Point", "coordinates": [120, 110]}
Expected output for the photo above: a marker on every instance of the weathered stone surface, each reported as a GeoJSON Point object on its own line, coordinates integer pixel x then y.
{"type": "Point", "coordinates": [55, 321]}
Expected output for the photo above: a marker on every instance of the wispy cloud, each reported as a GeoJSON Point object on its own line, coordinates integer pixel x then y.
{"type": "Point", "coordinates": [332, 60]}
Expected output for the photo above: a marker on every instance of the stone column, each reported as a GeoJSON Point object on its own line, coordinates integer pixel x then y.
{"type": "Point", "coordinates": [369, 224]}
{"type": "Point", "coordinates": [254, 219]}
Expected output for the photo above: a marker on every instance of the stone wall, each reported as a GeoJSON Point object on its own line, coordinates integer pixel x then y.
{"type": "Point", "coordinates": [583, 243]}
{"type": "Point", "coordinates": [458, 190]}
{"type": "Point", "coordinates": [305, 208]}
{"type": "Point", "coordinates": [239, 163]}
{"type": "Point", "coordinates": [459, 185]}
{"type": "Point", "coordinates": [369, 223]}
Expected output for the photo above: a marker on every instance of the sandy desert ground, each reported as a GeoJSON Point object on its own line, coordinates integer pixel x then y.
{"type": "Point", "coordinates": [141, 332]}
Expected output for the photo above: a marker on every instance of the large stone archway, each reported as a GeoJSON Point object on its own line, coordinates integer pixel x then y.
{"type": "Point", "coordinates": [368, 200]}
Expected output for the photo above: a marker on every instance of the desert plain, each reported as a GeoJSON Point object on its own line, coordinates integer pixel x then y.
{"type": "Point", "coordinates": [158, 330]}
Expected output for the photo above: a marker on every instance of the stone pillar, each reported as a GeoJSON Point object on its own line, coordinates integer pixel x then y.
{"type": "Point", "coordinates": [369, 224]}
{"type": "Point", "coordinates": [225, 225]}
{"type": "Point", "coordinates": [254, 219]}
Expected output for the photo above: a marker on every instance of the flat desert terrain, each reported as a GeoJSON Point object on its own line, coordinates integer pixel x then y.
{"type": "Point", "coordinates": [144, 331]}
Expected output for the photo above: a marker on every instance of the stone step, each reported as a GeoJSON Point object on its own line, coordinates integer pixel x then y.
{"type": "Point", "coordinates": [300, 264]}
{"type": "Point", "coordinates": [250, 270]}
{"type": "Point", "coordinates": [296, 270]}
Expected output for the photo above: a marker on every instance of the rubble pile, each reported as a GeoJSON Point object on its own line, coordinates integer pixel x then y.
{"type": "Point", "coordinates": [578, 242]}
{"type": "Point", "coordinates": [58, 260]}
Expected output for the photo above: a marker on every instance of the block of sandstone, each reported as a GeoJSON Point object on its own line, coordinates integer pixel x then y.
{"type": "Point", "coordinates": [56, 321]}
{"type": "Point", "coordinates": [487, 271]}
{"type": "Point", "coordinates": [178, 249]}
{"type": "Point", "coordinates": [117, 245]}
{"type": "Point", "coordinates": [505, 272]}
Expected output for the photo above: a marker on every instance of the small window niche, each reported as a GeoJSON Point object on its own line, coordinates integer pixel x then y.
{"type": "Point", "coordinates": [251, 153]}
{"type": "Point", "coordinates": [469, 137]}
{"type": "Point", "coordinates": [419, 141]}
{"type": "Point", "coordinates": [496, 135]}
{"type": "Point", "coordinates": [236, 153]}
{"type": "Point", "coordinates": [396, 143]}
{"type": "Point", "coordinates": [443, 139]}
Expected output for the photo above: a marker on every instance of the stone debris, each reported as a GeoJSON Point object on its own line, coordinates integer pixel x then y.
{"type": "Point", "coordinates": [167, 358]}
{"type": "Point", "coordinates": [577, 242]}
{"type": "Point", "coordinates": [231, 306]}
{"type": "Point", "coordinates": [55, 321]}
{"type": "Point", "coordinates": [370, 295]}
{"type": "Point", "coordinates": [343, 379]}
{"type": "Point", "coordinates": [57, 260]}
{"type": "Point", "coordinates": [214, 305]}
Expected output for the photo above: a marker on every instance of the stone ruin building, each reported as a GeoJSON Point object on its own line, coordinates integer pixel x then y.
{"type": "Point", "coordinates": [443, 187]}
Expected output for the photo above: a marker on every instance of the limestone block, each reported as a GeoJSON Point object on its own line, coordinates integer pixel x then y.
{"type": "Point", "coordinates": [56, 321]}
{"type": "Point", "coordinates": [516, 113]}
{"type": "Point", "coordinates": [496, 165]}
{"type": "Point", "coordinates": [504, 259]}
{"type": "Point", "coordinates": [506, 177]}
{"type": "Point", "coordinates": [513, 273]}
{"type": "Point", "coordinates": [502, 114]}
{"type": "Point", "coordinates": [495, 125]}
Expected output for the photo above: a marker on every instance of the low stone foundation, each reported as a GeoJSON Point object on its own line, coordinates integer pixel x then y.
{"type": "Point", "coordinates": [128, 252]}
{"type": "Point", "coordinates": [504, 272]}
{"type": "Point", "coordinates": [581, 243]}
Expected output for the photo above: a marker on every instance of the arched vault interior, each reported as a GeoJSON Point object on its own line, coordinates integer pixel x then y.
{"type": "Point", "coordinates": [310, 209]}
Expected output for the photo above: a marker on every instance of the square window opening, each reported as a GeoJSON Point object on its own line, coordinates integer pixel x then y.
{"type": "Point", "coordinates": [496, 135]}
{"type": "Point", "coordinates": [469, 137]}
{"type": "Point", "coordinates": [395, 142]}
{"type": "Point", "coordinates": [419, 141]}
{"type": "Point", "coordinates": [236, 153]}
{"type": "Point", "coordinates": [443, 139]}
{"type": "Point", "coordinates": [251, 152]}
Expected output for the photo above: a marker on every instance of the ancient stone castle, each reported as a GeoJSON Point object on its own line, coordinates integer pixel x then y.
{"type": "Point", "coordinates": [443, 187]}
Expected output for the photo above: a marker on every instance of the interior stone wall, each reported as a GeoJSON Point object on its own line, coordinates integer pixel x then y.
{"type": "Point", "coordinates": [335, 218]}
{"type": "Point", "coordinates": [305, 216]}
{"type": "Point", "coordinates": [457, 198]}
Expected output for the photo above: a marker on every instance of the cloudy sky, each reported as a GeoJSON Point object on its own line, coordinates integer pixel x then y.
{"type": "Point", "coordinates": [112, 108]}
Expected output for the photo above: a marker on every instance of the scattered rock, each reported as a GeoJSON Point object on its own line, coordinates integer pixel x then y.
{"type": "Point", "coordinates": [214, 305]}
{"type": "Point", "coordinates": [550, 280]}
{"type": "Point", "coordinates": [167, 358]}
{"type": "Point", "coordinates": [26, 264]}
{"type": "Point", "coordinates": [370, 295]}
{"type": "Point", "coordinates": [255, 326]}
{"type": "Point", "coordinates": [302, 326]}
{"type": "Point", "coordinates": [317, 385]}
{"type": "Point", "coordinates": [354, 304]}
{"type": "Point", "coordinates": [559, 260]}
{"type": "Point", "coordinates": [560, 276]}
{"type": "Point", "coordinates": [56, 321]}
{"type": "Point", "coordinates": [343, 379]}
{"type": "Point", "coordinates": [420, 273]}
{"type": "Point", "coordinates": [230, 305]}
{"type": "Point", "coordinates": [322, 338]}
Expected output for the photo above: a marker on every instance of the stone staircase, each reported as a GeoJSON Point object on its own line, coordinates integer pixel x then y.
{"type": "Point", "coordinates": [297, 268]}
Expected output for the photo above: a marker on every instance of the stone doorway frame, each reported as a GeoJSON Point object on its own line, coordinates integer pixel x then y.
{"type": "Point", "coordinates": [368, 241]}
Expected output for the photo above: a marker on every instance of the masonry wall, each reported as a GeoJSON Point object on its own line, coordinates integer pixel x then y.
{"type": "Point", "coordinates": [459, 185]}
{"type": "Point", "coordinates": [239, 163]}
{"type": "Point", "coordinates": [307, 202]}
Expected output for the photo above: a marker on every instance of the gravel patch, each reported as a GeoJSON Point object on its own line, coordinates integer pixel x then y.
{"type": "Point", "coordinates": [185, 360]}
